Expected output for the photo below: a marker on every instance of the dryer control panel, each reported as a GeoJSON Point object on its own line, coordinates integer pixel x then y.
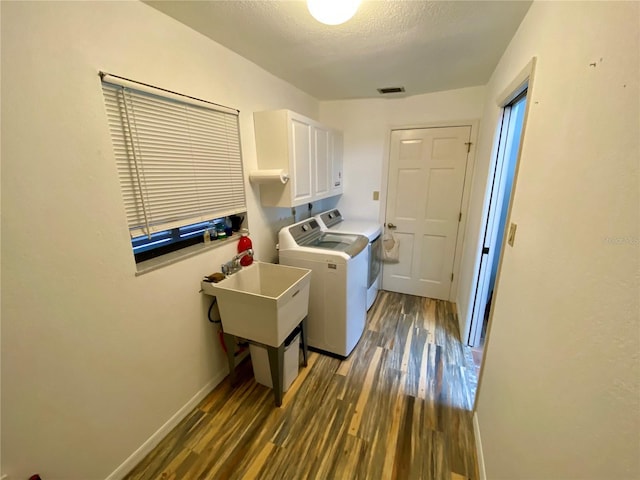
{"type": "Point", "coordinates": [331, 218]}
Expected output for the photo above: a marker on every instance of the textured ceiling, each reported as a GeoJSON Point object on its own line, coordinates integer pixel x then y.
{"type": "Point", "coordinates": [425, 46]}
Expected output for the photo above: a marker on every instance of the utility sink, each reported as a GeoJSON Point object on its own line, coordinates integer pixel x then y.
{"type": "Point", "coordinates": [263, 302]}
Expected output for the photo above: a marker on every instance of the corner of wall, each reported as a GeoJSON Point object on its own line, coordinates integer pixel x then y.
{"type": "Point", "coordinates": [479, 455]}
{"type": "Point", "coordinates": [149, 444]}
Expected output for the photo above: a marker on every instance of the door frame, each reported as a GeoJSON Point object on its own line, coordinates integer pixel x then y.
{"type": "Point", "coordinates": [466, 189]}
{"type": "Point", "coordinates": [496, 183]}
{"type": "Point", "coordinates": [524, 80]}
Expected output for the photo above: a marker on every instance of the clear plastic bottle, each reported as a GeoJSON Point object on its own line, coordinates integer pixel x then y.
{"type": "Point", "coordinates": [220, 229]}
{"type": "Point", "coordinates": [213, 233]}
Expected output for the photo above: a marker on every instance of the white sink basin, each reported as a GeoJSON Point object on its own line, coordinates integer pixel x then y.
{"type": "Point", "coordinates": [263, 302]}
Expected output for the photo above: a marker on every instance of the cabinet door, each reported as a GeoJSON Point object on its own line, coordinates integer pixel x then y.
{"type": "Point", "coordinates": [336, 162]}
{"type": "Point", "coordinates": [322, 151]}
{"type": "Point", "coordinates": [301, 161]}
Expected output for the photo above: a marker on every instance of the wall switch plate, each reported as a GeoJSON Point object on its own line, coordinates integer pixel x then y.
{"type": "Point", "coordinates": [376, 195]}
{"type": "Point", "coordinates": [512, 234]}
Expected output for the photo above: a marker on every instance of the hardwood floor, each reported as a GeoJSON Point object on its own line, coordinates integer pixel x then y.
{"type": "Point", "coordinates": [397, 408]}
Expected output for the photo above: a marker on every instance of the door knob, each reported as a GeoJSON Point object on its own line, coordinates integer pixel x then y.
{"type": "Point", "coordinates": [391, 226]}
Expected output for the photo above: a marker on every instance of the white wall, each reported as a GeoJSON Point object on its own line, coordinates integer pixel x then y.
{"type": "Point", "coordinates": [367, 125]}
{"type": "Point", "coordinates": [559, 395]}
{"type": "Point", "coordinates": [94, 359]}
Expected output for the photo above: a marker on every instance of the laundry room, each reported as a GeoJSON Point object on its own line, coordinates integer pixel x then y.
{"type": "Point", "coordinates": [106, 353]}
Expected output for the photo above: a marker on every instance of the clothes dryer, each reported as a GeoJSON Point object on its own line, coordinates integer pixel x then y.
{"type": "Point", "coordinates": [332, 221]}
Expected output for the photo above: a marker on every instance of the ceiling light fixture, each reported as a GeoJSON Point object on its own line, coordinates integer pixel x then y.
{"type": "Point", "coordinates": [333, 12]}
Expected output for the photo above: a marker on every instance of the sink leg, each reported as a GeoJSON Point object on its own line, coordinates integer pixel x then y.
{"type": "Point", "coordinates": [276, 364]}
{"type": "Point", "coordinates": [303, 340]}
{"type": "Point", "coordinates": [230, 344]}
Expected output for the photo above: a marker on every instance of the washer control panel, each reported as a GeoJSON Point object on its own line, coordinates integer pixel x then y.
{"type": "Point", "coordinates": [302, 231]}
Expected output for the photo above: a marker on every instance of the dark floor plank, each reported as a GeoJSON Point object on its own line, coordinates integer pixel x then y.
{"type": "Point", "coordinates": [399, 407]}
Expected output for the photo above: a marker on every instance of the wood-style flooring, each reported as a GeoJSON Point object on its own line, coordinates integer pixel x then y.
{"type": "Point", "coordinates": [398, 408]}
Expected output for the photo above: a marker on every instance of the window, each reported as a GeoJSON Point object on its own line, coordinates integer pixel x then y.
{"type": "Point", "coordinates": [179, 163]}
{"type": "Point", "coordinates": [146, 247]}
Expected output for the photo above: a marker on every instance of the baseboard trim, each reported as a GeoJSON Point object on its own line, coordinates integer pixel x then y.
{"type": "Point", "coordinates": [162, 432]}
{"type": "Point", "coordinates": [479, 454]}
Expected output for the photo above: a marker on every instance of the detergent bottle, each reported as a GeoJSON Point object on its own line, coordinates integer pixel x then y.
{"type": "Point", "coordinates": [245, 244]}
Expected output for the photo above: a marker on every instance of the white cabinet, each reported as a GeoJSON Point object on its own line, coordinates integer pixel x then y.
{"type": "Point", "coordinates": [305, 149]}
{"type": "Point", "coordinates": [322, 161]}
{"type": "Point", "coordinates": [300, 169]}
{"type": "Point", "coordinates": [336, 145]}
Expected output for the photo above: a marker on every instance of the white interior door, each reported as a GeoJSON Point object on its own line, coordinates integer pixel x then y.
{"type": "Point", "coordinates": [427, 168]}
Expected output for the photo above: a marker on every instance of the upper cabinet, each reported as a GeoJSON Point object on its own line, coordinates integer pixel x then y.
{"type": "Point", "coordinates": [297, 160]}
{"type": "Point", "coordinates": [321, 152]}
{"type": "Point", "coordinates": [308, 151]}
{"type": "Point", "coordinates": [336, 145]}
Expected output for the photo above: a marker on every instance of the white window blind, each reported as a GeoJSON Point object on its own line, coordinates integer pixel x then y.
{"type": "Point", "coordinates": [178, 163]}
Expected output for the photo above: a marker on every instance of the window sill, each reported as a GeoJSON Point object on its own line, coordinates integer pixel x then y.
{"type": "Point", "coordinates": [173, 257]}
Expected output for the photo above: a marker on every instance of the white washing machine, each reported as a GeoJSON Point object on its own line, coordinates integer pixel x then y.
{"type": "Point", "coordinates": [338, 293]}
{"type": "Point", "coordinates": [332, 221]}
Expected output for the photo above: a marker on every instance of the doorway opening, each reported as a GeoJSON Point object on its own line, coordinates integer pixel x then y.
{"type": "Point", "coordinates": [499, 191]}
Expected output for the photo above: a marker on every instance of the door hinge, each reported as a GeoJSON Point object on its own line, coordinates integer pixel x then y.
{"type": "Point", "coordinates": [485, 250]}
{"type": "Point", "coordinates": [468, 144]}
{"type": "Point", "coordinates": [452, 276]}
{"type": "Point", "coordinates": [459, 217]}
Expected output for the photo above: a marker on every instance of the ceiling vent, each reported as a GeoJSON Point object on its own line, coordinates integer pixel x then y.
{"type": "Point", "coordinates": [388, 90]}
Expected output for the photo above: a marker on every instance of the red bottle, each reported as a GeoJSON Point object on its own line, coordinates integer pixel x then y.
{"type": "Point", "coordinates": [245, 244]}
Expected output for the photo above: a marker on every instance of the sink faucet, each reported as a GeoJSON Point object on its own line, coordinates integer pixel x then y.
{"type": "Point", "coordinates": [233, 265]}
